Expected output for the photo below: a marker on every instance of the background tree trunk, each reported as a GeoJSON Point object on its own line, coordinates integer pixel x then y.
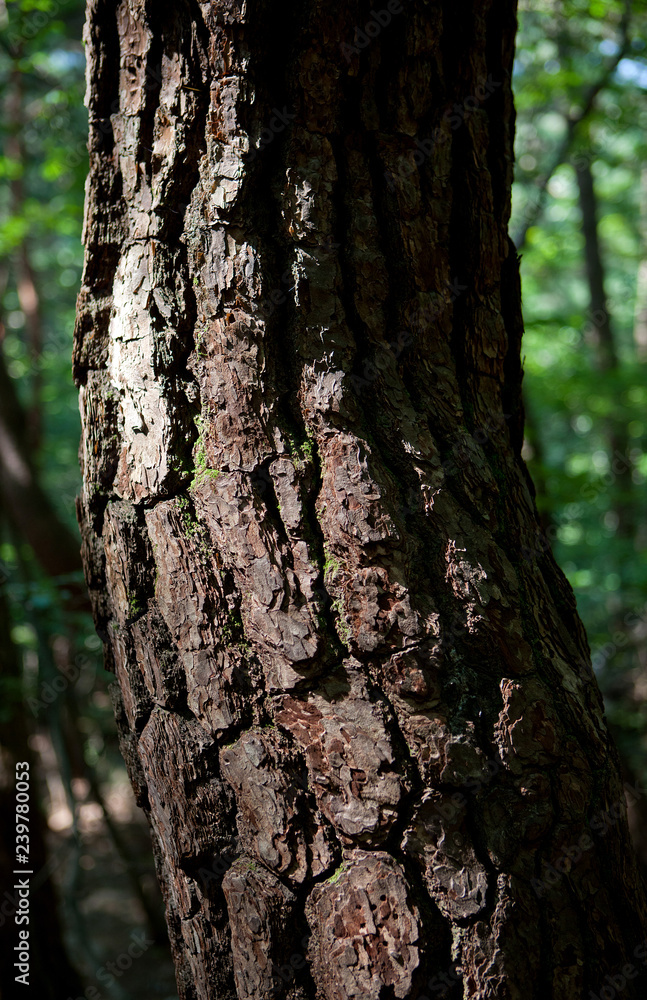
{"type": "Point", "coordinates": [602, 339]}
{"type": "Point", "coordinates": [354, 695]}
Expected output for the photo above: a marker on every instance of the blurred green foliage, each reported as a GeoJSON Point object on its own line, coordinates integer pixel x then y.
{"type": "Point", "coordinates": [41, 57]}
{"type": "Point", "coordinates": [594, 515]}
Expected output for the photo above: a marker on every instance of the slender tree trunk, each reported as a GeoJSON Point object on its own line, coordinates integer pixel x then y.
{"type": "Point", "coordinates": [624, 493]}
{"type": "Point", "coordinates": [27, 505]}
{"type": "Point", "coordinates": [640, 318]}
{"type": "Point", "coordinates": [364, 728]}
{"type": "Point", "coordinates": [605, 353]}
{"type": "Point", "coordinates": [25, 276]}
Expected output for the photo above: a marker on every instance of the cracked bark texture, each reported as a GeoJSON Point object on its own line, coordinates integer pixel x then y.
{"type": "Point", "coordinates": [354, 695]}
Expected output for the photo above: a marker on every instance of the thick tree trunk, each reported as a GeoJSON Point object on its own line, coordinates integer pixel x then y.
{"type": "Point", "coordinates": [362, 723]}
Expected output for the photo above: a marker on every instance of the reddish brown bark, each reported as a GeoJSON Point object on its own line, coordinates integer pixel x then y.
{"type": "Point", "coordinates": [363, 726]}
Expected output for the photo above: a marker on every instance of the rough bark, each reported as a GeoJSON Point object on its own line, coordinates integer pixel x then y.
{"type": "Point", "coordinates": [361, 722]}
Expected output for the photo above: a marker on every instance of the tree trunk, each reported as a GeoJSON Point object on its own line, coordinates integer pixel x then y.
{"type": "Point", "coordinates": [26, 286]}
{"type": "Point", "coordinates": [27, 505]}
{"type": "Point", "coordinates": [363, 726]}
{"type": "Point", "coordinates": [601, 336]}
{"type": "Point", "coordinates": [640, 316]}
